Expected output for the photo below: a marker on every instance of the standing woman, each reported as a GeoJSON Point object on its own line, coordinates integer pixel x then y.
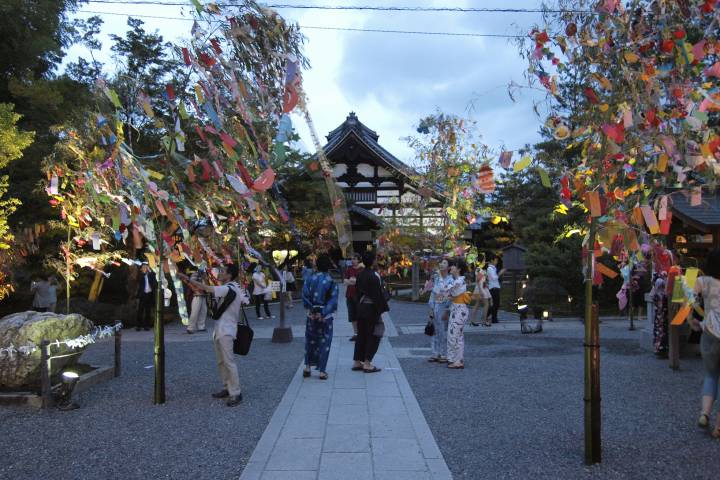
{"type": "Point", "coordinates": [458, 314]}
{"type": "Point", "coordinates": [289, 286]}
{"type": "Point", "coordinates": [709, 287]}
{"type": "Point", "coordinates": [482, 296]}
{"type": "Point", "coordinates": [320, 298]}
{"type": "Point", "coordinates": [260, 288]}
{"type": "Point", "coordinates": [350, 278]}
{"type": "Point", "coordinates": [371, 305]}
{"type": "Point", "coordinates": [440, 311]}
{"type": "Point", "coordinates": [660, 322]}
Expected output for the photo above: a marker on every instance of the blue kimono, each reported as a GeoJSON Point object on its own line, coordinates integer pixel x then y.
{"type": "Point", "coordinates": [319, 291]}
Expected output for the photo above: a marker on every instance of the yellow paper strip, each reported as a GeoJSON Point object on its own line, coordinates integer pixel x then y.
{"type": "Point", "coordinates": [691, 275]}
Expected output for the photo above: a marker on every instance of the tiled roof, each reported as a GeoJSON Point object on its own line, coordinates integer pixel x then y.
{"type": "Point", "coordinates": [369, 138]}
{"type": "Point", "coordinates": [705, 216]}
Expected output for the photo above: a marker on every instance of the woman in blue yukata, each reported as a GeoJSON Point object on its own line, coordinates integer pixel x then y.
{"type": "Point", "coordinates": [320, 297]}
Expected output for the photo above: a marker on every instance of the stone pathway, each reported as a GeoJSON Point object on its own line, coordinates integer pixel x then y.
{"type": "Point", "coordinates": [352, 426]}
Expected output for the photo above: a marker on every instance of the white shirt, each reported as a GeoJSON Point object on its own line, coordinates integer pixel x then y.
{"type": "Point", "coordinates": [258, 281]}
{"type": "Point", "coordinates": [227, 323]}
{"type": "Point", "coordinates": [289, 277]}
{"type": "Point", "coordinates": [492, 277]}
{"type": "Point", "coordinates": [709, 287]}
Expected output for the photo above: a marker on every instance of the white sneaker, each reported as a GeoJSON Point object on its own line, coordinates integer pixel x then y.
{"type": "Point", "coordinates": [272, 316]}
{"type": "Point", "coordinates": [261, 318]}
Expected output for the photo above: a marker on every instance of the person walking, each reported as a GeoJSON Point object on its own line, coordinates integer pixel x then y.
{"type": "Point", "coordinates": [457, 290]}
{"type": "Point", "coordinates": [493, 279]}
{"type": "Point", "coordinates": [709, 287]}
{"type": "Point", "coordinates": [290, 286]}
{"type": "Point", "coordinates": [371, 305]}
{"type": "Point", "coordinates": [261, 288]}
{"type": "Point", "coordinates": [320, 298]}
{"type": "Point", "coordinates": [439, 304]}
{"type": "Point", "coordinates": [147, 286]}
{"type": "Point", "coordinates": [198, 307]}
{"type": "Point", "coordinates": [225, 331]}
{"type": "Point", "coordinates": [481, 296]}
{"type": "Point", "coordinates": [350, 279]}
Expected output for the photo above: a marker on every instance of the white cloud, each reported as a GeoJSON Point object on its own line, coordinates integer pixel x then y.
{"type": "Point", "coordinates": [391, 80]}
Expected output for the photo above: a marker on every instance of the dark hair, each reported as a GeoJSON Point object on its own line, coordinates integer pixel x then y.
{"type": "Point", "coordinates": [368, 259]}
{"type": "Point", "coordinates": [358, 256]}
{"type": "Point", "coordinates": [712, 264]}
{"type": "Point", "coordinates": [308, 263]}
{"type": "Point", "coordinates": [460, 264]}
{"type": "Point", "coordinates": [232, 269]}
{"type": "Point", "coordinates": [323, 263]}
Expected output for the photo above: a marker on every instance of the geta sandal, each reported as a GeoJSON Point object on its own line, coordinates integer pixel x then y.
{"type": "Point", "coordinates": [372, 370]}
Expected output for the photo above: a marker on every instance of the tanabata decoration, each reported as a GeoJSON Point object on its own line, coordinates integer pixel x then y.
{"type": "Point", "coordinates": [646, 117]}
{"type": "Point", "coordinates": [244, 67]}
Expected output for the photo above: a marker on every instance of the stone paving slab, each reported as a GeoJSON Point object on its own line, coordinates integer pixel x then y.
{"type": "Point", "coordinates": [351, 426]}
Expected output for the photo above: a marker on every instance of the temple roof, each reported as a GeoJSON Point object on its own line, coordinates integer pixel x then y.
{"type": "Point", "coordinates": [705, 216]}
{"type": "Point", "coordinates": [353, 126]}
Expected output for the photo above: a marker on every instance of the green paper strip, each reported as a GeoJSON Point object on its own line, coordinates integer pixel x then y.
{"type": "Point", "coordinates": [544, 178]}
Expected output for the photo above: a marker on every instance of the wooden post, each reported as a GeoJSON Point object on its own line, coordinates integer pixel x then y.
{"type": "Point", "coordinates": [673, 337]}
{"type": "Point", "coordinates": [45, 385]}
{"type": "Point", "coordinates": [67, 272]}
{"type": "Point", "coordinates": [415, 277]}
{"type": "Point", "coordinates": [118, 352]}
{"type": "Point", "coordinates": [593, 439]}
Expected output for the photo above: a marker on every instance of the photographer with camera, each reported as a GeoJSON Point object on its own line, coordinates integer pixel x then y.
{"type": "Point", "coordinates": [320, 298]}
{"type": "Point", "coordinates": [230, 296]}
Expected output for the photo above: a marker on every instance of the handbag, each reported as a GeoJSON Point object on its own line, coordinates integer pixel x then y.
{"type": "Point", "coordinates": [430, 328]}
{"type": "Point", "coordinates": [243, 337]}
{"type": "Point", "coordinates": [379, 329]}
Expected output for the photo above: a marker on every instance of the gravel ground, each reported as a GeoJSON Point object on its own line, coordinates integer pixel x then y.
{"type": "Point", "coordinates": [516, 411]}
{"type": "Point", "coordinates": [119, 433]}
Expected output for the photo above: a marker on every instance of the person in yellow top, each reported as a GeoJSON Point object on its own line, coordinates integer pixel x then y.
{"type": "Point", "coordinates": [457, 290]}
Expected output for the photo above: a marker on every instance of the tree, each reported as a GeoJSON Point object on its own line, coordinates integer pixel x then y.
{"type": "Point", "coordinates": [12, 144]}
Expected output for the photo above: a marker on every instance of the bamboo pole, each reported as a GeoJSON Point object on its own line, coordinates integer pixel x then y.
{"type": "Point", "coordinates": [593, 440]}
{"type": "Point", "coordinates": [159, 347]}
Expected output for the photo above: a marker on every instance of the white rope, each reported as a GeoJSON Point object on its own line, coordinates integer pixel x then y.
{"type": "Point", "coordinates": [98, 333]}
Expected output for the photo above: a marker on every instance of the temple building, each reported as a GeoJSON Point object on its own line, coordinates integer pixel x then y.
{"type": "Point", "coordinates": [380, 190]}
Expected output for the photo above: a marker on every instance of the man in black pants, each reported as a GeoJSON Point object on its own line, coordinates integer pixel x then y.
{"type": "Point", "coordinates": [147, 286]}
{"type": "Point", "coordinates": [494, 286]}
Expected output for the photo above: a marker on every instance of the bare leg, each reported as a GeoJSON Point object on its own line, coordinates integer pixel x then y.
{"type": "Point", "coordinates": [486, 309]}
{"type": "Point", "coordinates": [473, 314]}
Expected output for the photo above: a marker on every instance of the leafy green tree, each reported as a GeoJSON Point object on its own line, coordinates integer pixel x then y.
{"type": "Point", "coordinates": [12, 144]}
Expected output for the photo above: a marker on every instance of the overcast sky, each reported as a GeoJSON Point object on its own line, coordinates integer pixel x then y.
{"type": "Point", "coordinates": [392, 80]}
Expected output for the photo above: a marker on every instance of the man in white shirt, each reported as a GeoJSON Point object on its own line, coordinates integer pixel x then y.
{"type": "Point", "coordinates": [226, 330]}
{"type": "Point", "coordinates": [493, 277]}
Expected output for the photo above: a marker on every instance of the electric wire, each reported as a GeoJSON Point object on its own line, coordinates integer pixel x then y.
{"type": "Point", "coordinates": [388, 8]}
{"type": "Point", "coordinates": [316, 27]}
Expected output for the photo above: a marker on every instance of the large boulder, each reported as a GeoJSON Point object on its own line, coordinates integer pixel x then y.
{"type": "Point", "coordinates": [19, 371]}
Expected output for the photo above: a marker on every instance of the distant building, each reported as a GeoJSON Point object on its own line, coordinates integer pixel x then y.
{"type": "Point", "coordinates": [381, 191]}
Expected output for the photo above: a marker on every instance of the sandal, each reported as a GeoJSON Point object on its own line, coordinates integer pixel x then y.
{"type": "Point", "coordinates": [356, 369]}
{"type": "Point", "coordinates": [456, 366]}
{"type": "Point", "coordinates": [306, 373]}
{"type": "Point", "coordinates": [323, 376]}
{"type": "Point", "coordinates": [703, 420]}
{"type": "Point", "coordinates": [433, 359]}
{"type": "Point", "coordinates": [716, 433]}
{"type": "Point", "coordinates": [442, 360]}
{"type": "Point", "coordinates": [372, 370]}
{"type": "Point", "coordinates": [474, 324]}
